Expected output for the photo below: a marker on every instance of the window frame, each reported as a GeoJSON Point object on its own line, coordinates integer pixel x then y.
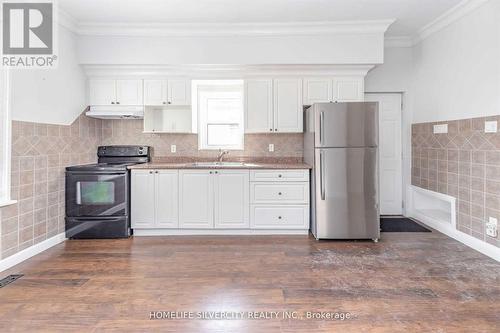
{"type": "Point", "coordinates": [200, 122]}
{"type": "Point", "coordinates": [5, 141]}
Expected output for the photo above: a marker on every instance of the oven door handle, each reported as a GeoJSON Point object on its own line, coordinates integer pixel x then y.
{"type": "Point", "coordinates": [79, 173]}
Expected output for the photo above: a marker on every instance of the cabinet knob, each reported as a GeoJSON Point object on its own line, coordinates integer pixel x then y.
{"type": "Point", "coordinates": [150, 171]}
{"type": "Point", "coordinates": [210, 172]}
{"type": "Point", "coordinates": [112, 102]}
{"type": "Point", "coordinates": [156, 172]}
{"type": "Point", "coordinates": [279, 193]}
{"type": "Point", "coordinates": [169, 102]}
{"type": "Point", "coordinates": [279, 217]}
{"type": "Point", "coordinates": [276, 130]}
{"type": "Point", "coordinates": [270, 129]}
{"type": "Point", "coordinates": [216, 171]}
{"type": "Point", "coordinates": [164, 102]}
{"type": "Point", "coordinates": [117, 102]}
{"type": "Point", "coordinates": [279, 176]}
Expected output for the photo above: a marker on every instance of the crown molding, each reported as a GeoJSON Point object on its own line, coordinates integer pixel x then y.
{"type": "Point", "coordinates": [225, 29]}
{"type": "Point", "coordinates": [398, 41]}
{"type": "Point", "coordinates": [455, 13]}
{"type": "Point", "coordinates": [224, 71]}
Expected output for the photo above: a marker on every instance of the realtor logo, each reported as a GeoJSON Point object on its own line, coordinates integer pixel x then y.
{"type": "Point", "coordinates": [28, 35]}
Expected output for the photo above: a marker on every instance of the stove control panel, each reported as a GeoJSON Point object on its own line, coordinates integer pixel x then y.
{"type": "Point", "coordinates": [118, 151]}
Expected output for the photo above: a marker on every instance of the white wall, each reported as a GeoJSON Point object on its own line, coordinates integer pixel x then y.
{"type": "Point", "coordinates": [243, 50]}
{"type": "Point", "coordinates": [457, 70]}
{"type": "Point", "coordinates": [394, 75]}
{"type": "Point", "coordinates": [55, 96]}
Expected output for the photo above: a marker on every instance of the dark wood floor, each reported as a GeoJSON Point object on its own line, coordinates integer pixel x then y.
{"type": "Point", "coordinates": [413, 282]}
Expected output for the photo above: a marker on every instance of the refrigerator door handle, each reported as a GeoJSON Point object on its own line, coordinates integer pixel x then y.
{"type": "Point", "coordinates": [321, 126]}
{"type": "Point", "coordinates": [321, 175]}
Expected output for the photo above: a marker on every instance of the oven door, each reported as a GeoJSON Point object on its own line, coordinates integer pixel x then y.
{"type": "Point", "coordinates": [96, 194]}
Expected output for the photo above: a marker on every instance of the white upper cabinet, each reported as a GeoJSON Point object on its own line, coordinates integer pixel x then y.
{"type": "Point", "coordinates": [129, 92]}
{"type": "Point", "coordinates": [232, 209]}
{"type": "Point", "coordinates": [348, 89]}
{"type": "Point", "coordinates": [337, 89]}
{"type": "Point", "coordinates": [115, 92]}
{"type": "Point", "coordinates": [155, 92]}
{"type": "Point", "coordinates": [259, 106]}
{"type": "Point", "coordinates": [179, 92]}
{"type": "Point", "coordinates": [167, 92]}
{"type": "Point", "coordinates": [317, 90]}
{"type": "Point", "coordinates": [102, 92]}
{"type": "Point", "coordinates": [288, 112]}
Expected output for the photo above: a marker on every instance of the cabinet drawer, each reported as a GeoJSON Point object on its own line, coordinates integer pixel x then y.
{"type": "Point", "coordinates": [279, 193]}
{"type": "Point", "coordinates": [279, 217]}
{"type": "Point", "coordinates": [279, 175]}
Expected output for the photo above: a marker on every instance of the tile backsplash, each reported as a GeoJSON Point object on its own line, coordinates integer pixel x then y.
{"type": "Point", "coordinates": [256, 145]}
{"type": "Point", "coordinates": [463, 163]}
{"type": "Point", "coordinates": [40, 152]}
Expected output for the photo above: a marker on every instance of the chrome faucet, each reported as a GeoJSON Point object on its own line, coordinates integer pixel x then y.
{"type": "Point", "coordinates": [221, 155]}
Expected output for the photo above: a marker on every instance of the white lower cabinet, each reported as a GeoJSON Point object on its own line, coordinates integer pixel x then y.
{"type": "Point", "coordinates": [154, 199]}
{"type": "Point", "coordinates": [197, 200]}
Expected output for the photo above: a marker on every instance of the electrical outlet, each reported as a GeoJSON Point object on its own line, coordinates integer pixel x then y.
{"type": "Point", "coordinates": [173, 148]}
{"type": "Point", "coordinates": [491, 227]}
{"type": "Point", "coordinates": [439, 129]}
{"type": "Point", "coordinates": [490, 126]}
{"type": "Point", "coordinates": [271, 147]}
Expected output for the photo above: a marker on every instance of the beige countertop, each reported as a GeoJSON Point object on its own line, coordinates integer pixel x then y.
{"type": "Point", "coordinates": [229, 165]}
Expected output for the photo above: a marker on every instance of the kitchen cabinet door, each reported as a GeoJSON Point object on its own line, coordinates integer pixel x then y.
{"type": "Point", "coordinates": [102, 92]}
{"type": "Point", "coordinates": [155, 92]}
{"type": "Point", "coordinates": [288, 105]}
{"type": "Point", "coordinates": [129, 92]}
{"type": "Point", "coordinates": [142, 198]}
{"type": "Point", "coordinates": [196, 199]}
{"type": "Point", "coordinates": [166, 199]}
{"type": "Point", "coordinates": [179, 92]}
{"type": "Point", "coordinates": [348, 89]}
{"type": "Point", "coordinates": [259, 106]}
{"type": "Point", "coordinates": [317, 91]}
{"type": "Point", "coordinates": [232, 199]}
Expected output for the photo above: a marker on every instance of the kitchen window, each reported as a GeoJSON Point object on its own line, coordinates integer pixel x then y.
{"type": "Point", "coordinates": [218, 109]}
{"type": "Point", "coordinates": [5, 125]}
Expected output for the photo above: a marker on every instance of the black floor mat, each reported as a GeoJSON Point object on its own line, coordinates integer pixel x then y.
{"type": "Point", "coordinates": [400, 224]}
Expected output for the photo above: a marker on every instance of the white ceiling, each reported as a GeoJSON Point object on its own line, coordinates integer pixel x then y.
{"type": "Point", "coordinates": [410, 15]}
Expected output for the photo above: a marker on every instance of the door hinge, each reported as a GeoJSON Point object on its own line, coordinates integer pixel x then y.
{"type": "Point", "coordinates": [402, 204]}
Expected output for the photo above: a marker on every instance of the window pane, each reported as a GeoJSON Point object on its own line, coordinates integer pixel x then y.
{"type": "Point", "coordinates": [96, 193]}
{"type": "Point", "coordinates": [224, 135]}
{"type": "Point", "coordinates": [223, 110]}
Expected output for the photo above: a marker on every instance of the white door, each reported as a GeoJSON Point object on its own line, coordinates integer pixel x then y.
{"type": "Point", "coordinates": [232, 199]}
{"type": "Point", "coordinates": [129, 92]}
{"type": "Point", "coordinates": [102, 92]}
{"type": "Point", "coordinates": [348, 89]}
{"type": "Point", "coordinates": [389, 152]}
{"type": "Point", "coordinates": [142, 197]}
{"type": "Point", "coordinates": [288, 113]}
{"type": "Point", "coordinates": [166, 199]}
{"type": "Point", "coordinates": [259, 106]}
{"type": "Point", "coordinates": [317, 91]}
{"type": "Point", "coordinates": [196, 199]}
{"type": "Point", "coordinates": [155, 92]}
{"type": "Point", "coordinates": [179, 92]}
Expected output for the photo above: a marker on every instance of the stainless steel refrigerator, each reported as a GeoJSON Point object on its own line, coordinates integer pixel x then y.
{"type": "Point", "coordinates": [341, 143]}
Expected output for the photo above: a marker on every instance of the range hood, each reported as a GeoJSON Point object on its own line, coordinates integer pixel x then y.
{"type": "Point", "coordinates": [116, 112]}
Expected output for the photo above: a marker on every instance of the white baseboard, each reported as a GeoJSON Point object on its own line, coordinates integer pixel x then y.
{"type": "Point", "coordinates": [217, 232]}
{"type": "Point", "coordinates": [472, 242]}
{"type": "Point", "coordinates": [31, 251]}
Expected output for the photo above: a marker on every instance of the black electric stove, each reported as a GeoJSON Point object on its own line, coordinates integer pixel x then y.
{"type": "Point", "coordinates": [98, 195]}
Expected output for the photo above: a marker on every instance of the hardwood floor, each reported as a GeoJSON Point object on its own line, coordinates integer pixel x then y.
{"type": "Point", "coordinates": [412, 282]}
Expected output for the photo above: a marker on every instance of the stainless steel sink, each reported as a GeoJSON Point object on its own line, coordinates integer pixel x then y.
{"type": "Point", "coordinates": [220, 164]}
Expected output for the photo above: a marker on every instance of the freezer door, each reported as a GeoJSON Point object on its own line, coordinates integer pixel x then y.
{"type": "Point", "coordinates": [346, 124]}
{"type": "Point", "coordinates": [346, 198]}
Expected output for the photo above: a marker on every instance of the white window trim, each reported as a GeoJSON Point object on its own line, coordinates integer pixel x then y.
{"type": "Point", "coordinates": [5, 131]}
{"type": "Point", "coordinates": [196, 112]}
